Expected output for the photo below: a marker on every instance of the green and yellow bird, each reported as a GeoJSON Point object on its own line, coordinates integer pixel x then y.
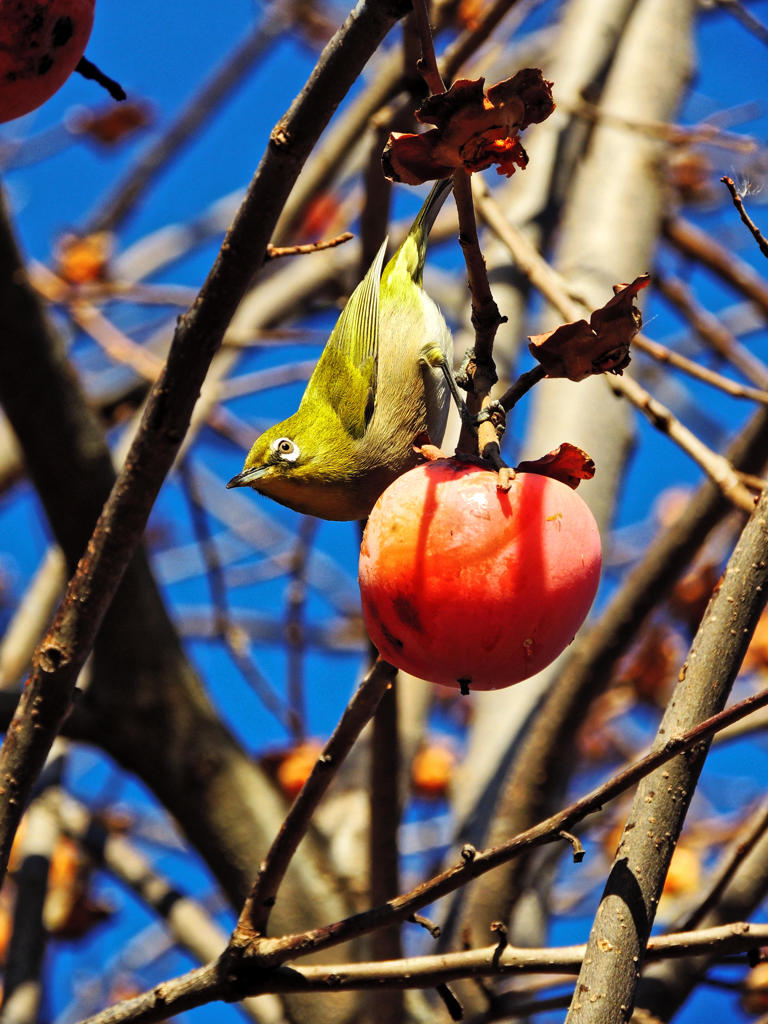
{"type": "Point", "coordinates": [379, 385]}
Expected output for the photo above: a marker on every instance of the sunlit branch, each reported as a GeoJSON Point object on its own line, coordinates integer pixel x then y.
{"type": "Point", "coordinates": [550, 284]}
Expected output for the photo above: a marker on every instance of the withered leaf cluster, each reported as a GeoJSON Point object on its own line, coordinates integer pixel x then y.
{"type": "Point", "coordinates": [473, 129]}
{"type": "Point", "coordinates": [600, 345]}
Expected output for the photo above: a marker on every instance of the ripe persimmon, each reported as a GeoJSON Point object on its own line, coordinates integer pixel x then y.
{"type": "Point", "coordinates": [296, 767]}
{"type": "Point", "coordinates": [40, 46]}
{"type": "Point", "coordinates": [467, 585]}
{"type": "Point", "coordinates": [432, 770]}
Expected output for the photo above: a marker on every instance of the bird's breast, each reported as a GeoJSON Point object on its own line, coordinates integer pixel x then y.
{"type": "Point", "coordinates": [339, 500]}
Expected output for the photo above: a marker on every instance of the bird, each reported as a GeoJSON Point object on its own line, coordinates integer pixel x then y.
{"type": "Point", "coordinates": [379, 389]}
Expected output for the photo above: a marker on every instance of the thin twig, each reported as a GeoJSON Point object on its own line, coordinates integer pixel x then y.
{"type": "Point", "coordinates": [725, 870]}
{"type": "Point", "coordinates": [31, 617]}
{"type": "Point", "coordinates": [295, 632]}
{"type": "Point", "coordinates": [738, 202]}
{"type": "Point", "coordinates": [233, 638]}
{"type": "Point", "coordinates": [427, 66]}
{"type": "Point", "coordinates": [675, 134]}
{"type": "Point", "coordinates": [206, 984]}
{"type": "Point", "coordinates": [578, 849]}
{"type": "Point", "coordinates": [265, 380]}
{"type": "Point", "coordinates": [474, 863]}
{"type": "Point", "coordinates": [472, 38]}
{"type": "Point", "coordinates": [450, 1001]}
{"type": "Point", "coordinates": [716, 466]}
{"type": "Point", "coordinates": [486, 318]}
{"type": "Point", "coordinates": [89, 70]}
{"type": "Point", "coordinates": [430, 926]}
{"type": "Point", "coordinates": [693, 242]}
{"type": "Point", "coordinates": [746, 17]}
{"type": "Point", "coordinates": [383, 845]}
{"type": "Point", "coordinates": [757, 483]}
{"type": "Point", "coordinates": [275, 252]}
{"type": "Point", "coordinates": [712, 330]}
{"type": "Point", "coordinates": [522, 386]}
{"type": "Point", "coordinates": [731, 387]}
{"type": "Point", "coordinates": [551, 285]}
{"type": "Point", "coordinates": [255, 913]}
{"type": "Point", "coordinates": [22, 980]}
{"type": "Point", "coordinates": [56, 289]}
{"type": "Point", "coordinates": [117, 345]}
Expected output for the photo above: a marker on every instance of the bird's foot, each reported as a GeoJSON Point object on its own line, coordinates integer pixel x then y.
{"type": "Point", "coordinates": [494, 413]}
{"type": "Point", "coordinates": [432, 355]}
{"type": "Point", "coordinates": [428, 451]}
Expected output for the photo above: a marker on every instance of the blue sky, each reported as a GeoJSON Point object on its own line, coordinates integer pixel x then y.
{"type": "Point", "coordinates": [161, 53]}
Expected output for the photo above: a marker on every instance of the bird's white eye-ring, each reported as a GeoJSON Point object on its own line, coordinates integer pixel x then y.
{"type": "Point", "coordinates": [286, 449]}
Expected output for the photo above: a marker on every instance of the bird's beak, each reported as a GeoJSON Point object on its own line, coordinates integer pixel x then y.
{"type": "Point", "coordinates": [247, 477]}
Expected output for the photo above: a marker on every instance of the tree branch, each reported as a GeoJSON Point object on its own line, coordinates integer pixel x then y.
{"type": "Point", "coordinates": [47, 698]}
{"type": "Point", "coordinates": [608, 979]}
{"type": "Point", "coordinates": [255, 913]}
{"type": "Point", "coordinates": [691, 241]}
{"type": "Point", "coordinates": [203, 985]}
{"type": "Point", "coordinates": [268, 952]}
{"type": "Point", "coordinates": [738, 202]}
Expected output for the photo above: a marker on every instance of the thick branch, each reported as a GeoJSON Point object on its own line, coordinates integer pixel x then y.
{"type": "Point", "coordinates": [48, 695]}
{"type": "Point", "coordinates": [608, 979]}
{"type": "Point", "coordinates": [203, 986]}
{"type": "Point", "coordinates": [268, 952]}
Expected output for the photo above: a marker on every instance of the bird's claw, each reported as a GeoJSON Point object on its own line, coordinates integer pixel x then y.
{"type": "Point", "coordinates": [494, 413]}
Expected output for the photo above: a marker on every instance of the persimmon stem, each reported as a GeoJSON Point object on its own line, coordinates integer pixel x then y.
{"type": "Point", "coordinates": [89, 70]}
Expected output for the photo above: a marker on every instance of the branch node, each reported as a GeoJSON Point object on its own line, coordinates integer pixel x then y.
{"type": "Point", "coordinates": [578, 849]}
{"type": "Point", "coordinates": [499, 929]}
{"type": "Point", "coordinates": [473, 370]}
{"type": "Point", "coordinates": [433, 929]}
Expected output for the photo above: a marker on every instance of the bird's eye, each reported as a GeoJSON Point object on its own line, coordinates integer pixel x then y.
{"type": "Point", "coordinates": [286, 449]}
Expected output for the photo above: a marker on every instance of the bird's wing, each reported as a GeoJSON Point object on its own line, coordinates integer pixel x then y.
{"type": "Point", "coordinates": [345, 377]}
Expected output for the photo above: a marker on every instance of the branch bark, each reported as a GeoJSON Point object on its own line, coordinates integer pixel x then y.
{"type": "Point", "coordinates": [48, 695]}
{"type": "Point", "coordinates": [608, 979]}
{"type": "Point", "coordinates": [608, 232]}
{"type": "Point", "coordinates": [205, 985]}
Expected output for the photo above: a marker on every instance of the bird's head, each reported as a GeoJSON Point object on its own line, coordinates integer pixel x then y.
{"type": "Point", "coordinates": [274, 455]}
{"type": "Point", "coordinates": [306, 463]}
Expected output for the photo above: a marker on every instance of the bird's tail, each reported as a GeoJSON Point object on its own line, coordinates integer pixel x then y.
{"type": "Point", "coordinates": [427, 215]}
{"type": "Point", "coordinates": [413, 251]}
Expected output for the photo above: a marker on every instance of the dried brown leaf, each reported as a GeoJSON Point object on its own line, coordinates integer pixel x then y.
{"type": "Point", "coordinates": [691, 594]}
{"type": "Point", "coordinates": [112, 125]}
{"type": "Point", "coordinates": [84, 259]}
{"type": "Point", "coordinates": [651, 667]}
{"type": "Point", "coordinates": [567, 463]}
{"type": "Point", "coordinates": [473, 129]}
{"type": "Point", "coordinates": [579, 349]}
